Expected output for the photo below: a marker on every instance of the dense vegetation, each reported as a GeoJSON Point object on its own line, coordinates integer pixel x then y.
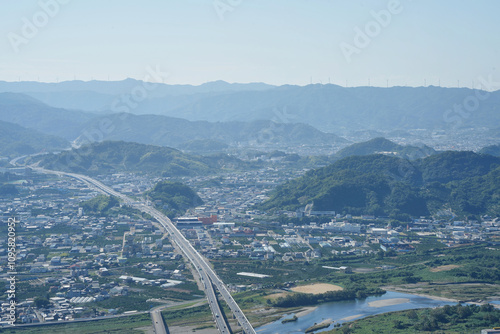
{"type": "Point", "coordinates": [173, 198]}
{"type": "Point", "coordinates": [305, 299]}
{"type": "Point", "coordinates": [466, 182]}
{"type": "Point", "coordinates": [8, 177]}
{"type": "Point", "coordinates": [16, 140]}
{"type": "Point", "coordinates": [8, 190]}
{"type": "Point", "coordinates": [100, 205]}
{"type": "Point", "coordinates": [491, 150]}
{"type": "Point", "coordinates": [378, 145]}
{"type": "Point", "coordinates": [122, 325]}
{"type": "Point", "coordinates": [449, 319]}
{"type": "Point", "coordinates": [109, 157]}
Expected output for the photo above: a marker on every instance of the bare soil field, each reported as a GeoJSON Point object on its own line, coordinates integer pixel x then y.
{"type": "Point", "coordinates": [317, 288]}
{"type": "Point", "coordinates": [444, 268]}
{"type": "Point", "coordinates": [277, 295]}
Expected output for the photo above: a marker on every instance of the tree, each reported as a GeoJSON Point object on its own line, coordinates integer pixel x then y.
{"type": "Point", "coordinates": [8, 190]}
{"type": "Point", "coordinates": [41, 302]}
{"type": "Point", "coordinates": [398, 324]}
{"type": "Point", "coordinates": [412, 314]}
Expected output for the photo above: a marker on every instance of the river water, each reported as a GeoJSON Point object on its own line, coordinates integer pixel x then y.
{"type": "Point", "coordinates": [341, 312]}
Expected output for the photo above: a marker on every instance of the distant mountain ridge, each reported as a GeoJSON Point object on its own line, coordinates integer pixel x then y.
{"type": "Point", "coordinates": [84, 128]}
{"type": "Point", "coordinates": [329, 108]}
{"type": "Point", "coordinates": [332, 108]}
{"type": "Point", "coordinates": [16, 140]}
{"type": "Point", "coordinates": [492, 150]}
{"type": "Point", "coordinates": [175, 132]}
{"type": "Point", "coordinates": [100, 95]}
{"type": "Point", "coordinates": [30, 113]}
{"type": "Point", "coordinates": [124, 86]}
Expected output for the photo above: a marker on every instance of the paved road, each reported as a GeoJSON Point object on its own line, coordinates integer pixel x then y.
{"type": "Point", "coordinates": [207, 275]}
{"type": "Point", "coordinates": [158, 323]}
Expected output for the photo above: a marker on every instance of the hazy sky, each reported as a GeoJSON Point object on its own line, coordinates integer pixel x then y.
{"type": "Point", "coordinates": [272, 41]}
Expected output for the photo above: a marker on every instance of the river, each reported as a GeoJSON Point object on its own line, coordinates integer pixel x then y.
{"type": "Point", "coordinates": [350, 310]}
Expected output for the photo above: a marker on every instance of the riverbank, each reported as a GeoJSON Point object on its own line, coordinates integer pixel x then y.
{"type": "Point", "coordinates": [305, 311]}
{"type": "Point", "coordinates": [322, 325]}
{"type": "Point", "coordinates": [409, 291]}
{"type": "Point", "coordinates": [388, 302]}
{"type": "Point", "coordinates": [344, 311]}
{"type": "Point", "coordinates": [451, 292]}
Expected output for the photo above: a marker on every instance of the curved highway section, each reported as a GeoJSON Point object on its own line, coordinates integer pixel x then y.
{"type": "Point", "coordinates": [208, 277]}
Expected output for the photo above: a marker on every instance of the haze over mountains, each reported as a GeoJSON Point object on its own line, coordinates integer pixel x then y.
{"type": "Point", "coordinates": [15, 140]}
{"type": "Point", "coordinates": [84, 127]}
{"type": "Point", "coordinates": [101, 95]}
{"type": "Point", "coordinates": [169, 131]}
{"type": "Point", "coordinates": [30, 113]}
{"type": "Point", "coordinates": [112, 129]}
{"type": "Point", "coordinates": [329, 108]}
{"type": "Point", "coordinates": [216, 116]}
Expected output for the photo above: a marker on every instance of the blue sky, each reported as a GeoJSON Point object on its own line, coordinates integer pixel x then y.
{"type": "Point", "coordinates": [277, 42]}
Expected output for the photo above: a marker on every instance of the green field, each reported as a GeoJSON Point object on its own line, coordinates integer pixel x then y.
{"type": "Point", "coordinates": [120, 325]}
{"type": "Point", "coordinates": [448, 319]}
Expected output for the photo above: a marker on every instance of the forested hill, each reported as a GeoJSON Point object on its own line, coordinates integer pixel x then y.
{"type": "Point", "coordinates": [111, 157]}
{"type": "Point", "coordinates": [174, 197]}
{"type": "Point", "coordinates": [382, 145]}
{"type": "Point", "coordinates": [16, 140]}
{"type": "Point", "coordinates": [493, 150]}
{"type": "Point", "coordinates": [382, 185]}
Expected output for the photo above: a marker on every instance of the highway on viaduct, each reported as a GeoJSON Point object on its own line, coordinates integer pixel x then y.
{"type": "Point", "coordinates": [208, 277]}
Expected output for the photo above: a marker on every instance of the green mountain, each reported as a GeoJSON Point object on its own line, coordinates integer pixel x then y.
{"type": "Point", "coordinates": [84, 128]}
{"type": "Point", "coordinates": [16, 140]}
{"type": "Point", "coordinates": [33, 114]}
{"type": "Point", "coordinates": [100, 205]}
{"type": "Point", "coordinates": [110, 157]}
{"type": "Point", "coordinates": [491, 150]}
{"type": "Point", "coordinates": [332, 108]}
{"type": "Point", "coordinates": [455, 166]}
{"type": "Point", "coordinates": [329, 108]}
{"type": "Point", "coordinates": [466, 182]}
{"type": "Point", "coordinates": [174, 198]}
{"type": "Point", "coordinates": [181, 133]}
{"type": "Point", "coordinates": [385, 146]}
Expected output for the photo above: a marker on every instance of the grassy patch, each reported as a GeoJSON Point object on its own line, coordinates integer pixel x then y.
{"type": "Point", "coordinates": [448, 319]}
{"type": "Point", "coordinates": [126, 325]}
{"type": "Point", "coordinates": [188, 316]}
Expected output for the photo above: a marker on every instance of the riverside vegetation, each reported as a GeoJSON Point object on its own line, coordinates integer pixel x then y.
{"type": "Point", "coordinates": [447, 319]}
